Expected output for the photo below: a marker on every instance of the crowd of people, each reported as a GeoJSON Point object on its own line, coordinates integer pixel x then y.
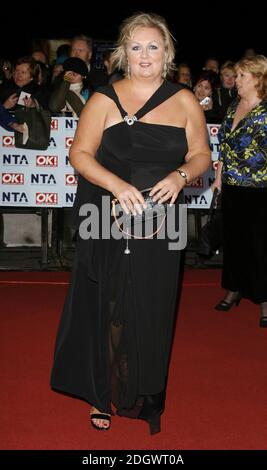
{"type": "Point", "coordinates": [65, 85]}
{"type": "Point", "coordinates": [62, 87]}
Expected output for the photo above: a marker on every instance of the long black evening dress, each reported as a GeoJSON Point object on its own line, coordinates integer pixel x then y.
{"type": "Point", "coordinates": [114, 338]}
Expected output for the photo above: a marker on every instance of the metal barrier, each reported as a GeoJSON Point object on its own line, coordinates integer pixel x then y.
{"type": "Point", "coordinates": [44, 183]}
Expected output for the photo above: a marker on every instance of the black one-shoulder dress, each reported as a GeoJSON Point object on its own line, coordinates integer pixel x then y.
{"type": "Point", "coordinates": [114, 338]}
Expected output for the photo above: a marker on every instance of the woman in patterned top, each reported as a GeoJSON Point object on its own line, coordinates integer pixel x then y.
{"type": "Point", "coordinates": [242, 176]}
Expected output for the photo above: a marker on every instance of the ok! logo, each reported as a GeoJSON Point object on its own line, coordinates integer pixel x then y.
{"type": "Point", "coordinates": [68, 142]}
{"type": "Point", "coordinates": [13, 178]}
{"type": "Point", "coordinates": [8, 141]}
{"type": "Point", "coordinates": [46, 160]}
{"type": "Point", "coordinates": [46, 198]}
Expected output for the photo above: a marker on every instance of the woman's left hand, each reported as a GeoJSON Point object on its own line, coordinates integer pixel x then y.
{"type": "Point", "coordinates": [168, 188]}
{"type": "Point", "coordinates": [17, 127]}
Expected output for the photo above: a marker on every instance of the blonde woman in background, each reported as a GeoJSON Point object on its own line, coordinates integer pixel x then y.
{"type": "Point", "coordinates": [242, 178]}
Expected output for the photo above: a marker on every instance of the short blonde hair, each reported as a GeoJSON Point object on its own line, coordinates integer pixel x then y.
{"type": "Point", "coordinates": [127, 29]}
{"type": "Point", "coordinates": [257, 66]}
{"type": "Point", "coordinates": [228, 65]}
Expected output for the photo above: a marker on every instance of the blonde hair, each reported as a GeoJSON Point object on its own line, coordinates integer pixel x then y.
{"type": "Point", "coordinates": [257, 66]}
{"type": "Point", "coordinates": [128, 28]}
{"type": "Point", "coordinates": [228, 65]}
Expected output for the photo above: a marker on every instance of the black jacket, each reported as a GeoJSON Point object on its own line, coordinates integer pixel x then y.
{"type": "Point", "coordinates": [61, 95]}
{"type": "Point", "coordinates": [38, 92]}
{"type": "Point", "coordinates": [222, 98]}
{"type": "Point", "coordinates": [95, 79]}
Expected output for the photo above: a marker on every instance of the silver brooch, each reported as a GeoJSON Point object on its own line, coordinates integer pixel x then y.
{"type": "Point", "coordinates": [130, 120]}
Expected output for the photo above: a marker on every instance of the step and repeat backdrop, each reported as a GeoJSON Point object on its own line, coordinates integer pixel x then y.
{"type": "Point", "coordinates": [31, 178]}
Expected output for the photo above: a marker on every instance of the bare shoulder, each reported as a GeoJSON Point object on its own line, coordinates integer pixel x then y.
{"type": "Point", "coordinates": [190, 108]}
{"type": "Point", "coordinates": [183, 107]}
{"type": "Point", "coordinates": [96, 111]}
{"type": "Point", "coordinates": [92, 122]}
{"type": "Point", "coordinates": [186, 98]}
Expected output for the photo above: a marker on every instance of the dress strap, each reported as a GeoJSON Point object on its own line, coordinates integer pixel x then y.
{"type": "Point", "coordinates": [164, 92]}
{"type": "Point", "coordinates": [110, 92]}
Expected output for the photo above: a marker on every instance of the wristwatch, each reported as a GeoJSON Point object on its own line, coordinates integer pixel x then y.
{"type": "Point", "coordinates": [183, 174]}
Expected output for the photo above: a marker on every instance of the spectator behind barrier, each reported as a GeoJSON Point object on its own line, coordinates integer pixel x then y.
{"type": "Point", "coordinates": [44, 76]}
{"type": "Point", "coordinates": [226, 92]}
{"type": "Point", "coordinates": [82, 47]}
{"type": "Point", "coordinates": [203, 90]}
{"type": "Point", "coordinates": [73, 91]}
{"type": "Point", "coordinates": [25, 79]}
{"type": "Point", "coordinates": [5, 71]}
{"type": "Point", "coordinates": [40, 56]}
{"type": "Point", "coordinates": [62, 54]}
{"type": "Point", "coordinates": [183, 75]}
{"type": "Point", "coordinates": [112, 75]}
{"type": "Point", "coordinates": [211, 63]}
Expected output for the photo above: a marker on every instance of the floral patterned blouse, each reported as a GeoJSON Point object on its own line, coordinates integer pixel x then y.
{"type": "Point", "coordinates": [243, 151]}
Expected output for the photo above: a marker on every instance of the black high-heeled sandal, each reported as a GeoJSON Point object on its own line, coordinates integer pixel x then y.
{"type": "Point", "coordinates": [104, 416]}
{"type": "Point", "coordinates": [224, 306]}
{"type": "Point", "coordinates": [154, 424]}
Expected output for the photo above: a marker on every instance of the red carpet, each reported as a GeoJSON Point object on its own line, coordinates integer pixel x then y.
{"type": "Point", "coordinates": [217, 390]}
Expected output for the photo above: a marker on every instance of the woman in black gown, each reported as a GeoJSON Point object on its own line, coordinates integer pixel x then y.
{"type": "Point", "coordinates": [114, 338]}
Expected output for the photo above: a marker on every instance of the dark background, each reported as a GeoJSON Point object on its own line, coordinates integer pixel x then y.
{"type": "Point", "coordinates": [201, 30]}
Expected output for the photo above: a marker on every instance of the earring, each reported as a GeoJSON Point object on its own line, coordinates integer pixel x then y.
{"type": "Point", "coordinates": [165, 70]}
{"type": "Point", "coordinates": [128, 71]}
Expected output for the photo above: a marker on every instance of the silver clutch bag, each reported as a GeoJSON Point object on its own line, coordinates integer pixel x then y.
{"type": "Point", "coordinates": [128, 221]}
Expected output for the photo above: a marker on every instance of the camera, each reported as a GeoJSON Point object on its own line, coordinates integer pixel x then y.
{"type": "Point", "coordinates": [205, 101]}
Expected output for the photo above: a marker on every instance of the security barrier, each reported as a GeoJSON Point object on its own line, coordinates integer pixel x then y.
{"type": "Point", "coordinates": [31, 178]}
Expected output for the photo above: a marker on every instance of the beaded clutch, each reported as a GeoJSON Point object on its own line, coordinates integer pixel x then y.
{"type": "Point", "coordinates": [153, 210]}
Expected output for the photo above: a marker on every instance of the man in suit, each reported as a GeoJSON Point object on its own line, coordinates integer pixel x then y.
{"type": "Point", "coordinates": [82, 47]}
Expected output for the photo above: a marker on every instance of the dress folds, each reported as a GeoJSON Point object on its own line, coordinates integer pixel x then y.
{"type": "Point", "coordinates": [114, 338]}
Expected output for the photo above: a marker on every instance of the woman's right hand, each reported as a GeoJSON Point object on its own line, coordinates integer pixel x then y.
{"type": "Point", "coordinates": [71, 77]}
{"type": "Point", "coordinates": [11, 101]}
{"type": "Point", "coordinates": [68, 76]}
{"type": "Point", "coordinates": [130, 199]}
